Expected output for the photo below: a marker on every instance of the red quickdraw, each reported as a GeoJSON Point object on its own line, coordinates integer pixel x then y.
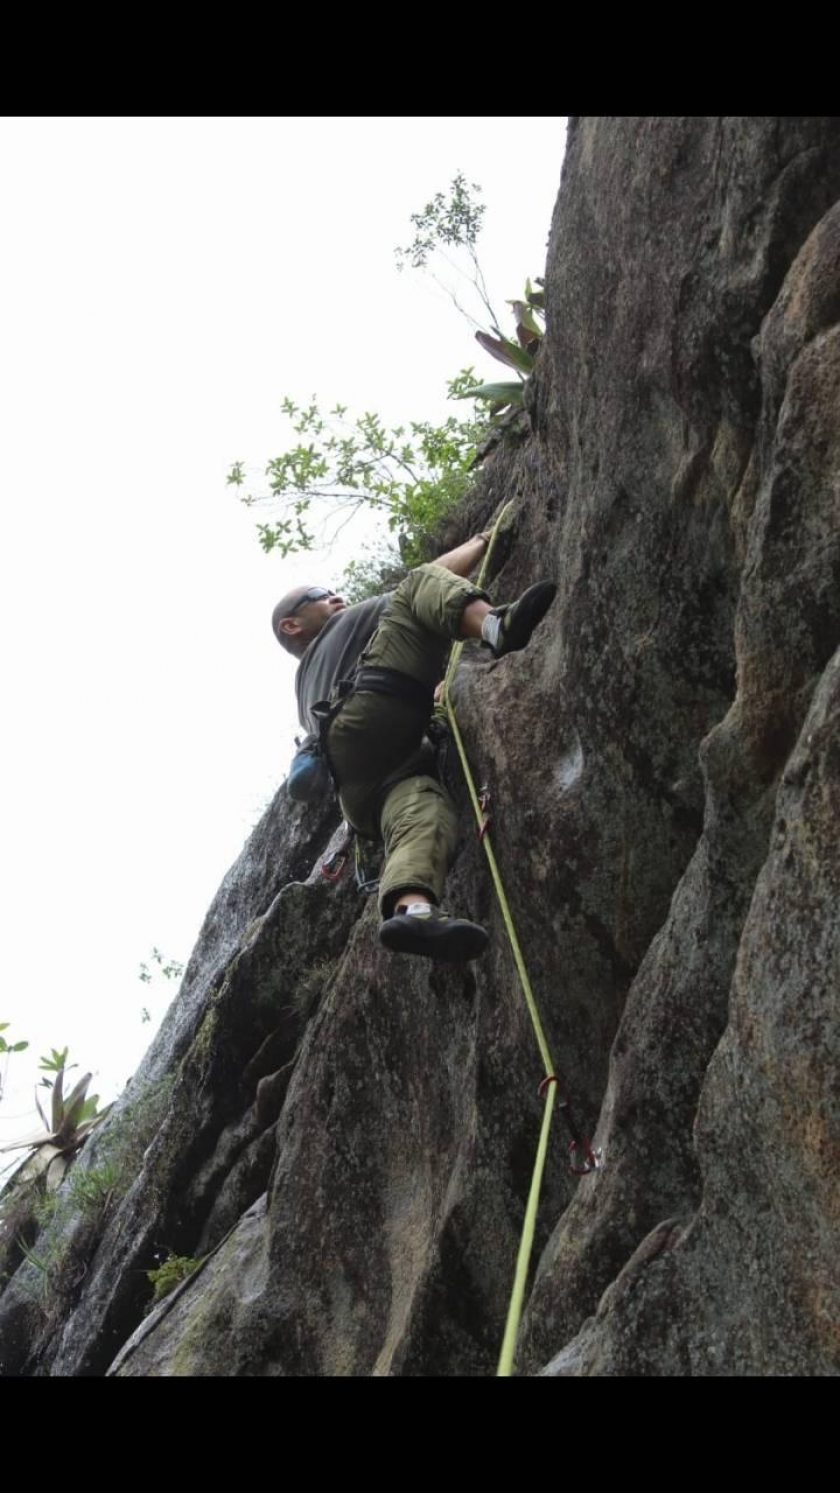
{"type": "Point", "coordinates": [593, 1158]}
{"type": "Point", "coordinates": [334, 864]}
{"type": "Point", "coordinates": [484, 805]}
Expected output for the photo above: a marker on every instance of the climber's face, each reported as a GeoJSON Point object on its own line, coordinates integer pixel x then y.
{"type": "Point", "coordinates": [319, 612]}
{"type": "Point", "coordinates": [314, 612]}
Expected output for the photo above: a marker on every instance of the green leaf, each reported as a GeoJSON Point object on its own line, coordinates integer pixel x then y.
{"type": "Point", "coordinates": [57, 1100]}
{"type": "Point", "coordinates": [506, 351]}
{"type": "Point", "coordinates": [3, 1025]}
{"type": "Point", "coordinates": [56, 1061]}
{"type": "Point", "coordinates": [20, 1046]}
{"type": "Point", "coordinates": [73, 1110]}
{"type": "Point", "coordinates": [527, 329]}
{"type": "Point", "coordinates": [34, 1141]}
{"type": "Point", "coordinates": [534, 297]}
{"type": "Point", "coordinates": [510, 393]}
{"type": "Point", "coordinates": [87, 1125]}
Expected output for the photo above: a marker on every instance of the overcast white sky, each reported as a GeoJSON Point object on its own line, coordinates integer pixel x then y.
{"type": "Point", "coordinates": [164, 283]}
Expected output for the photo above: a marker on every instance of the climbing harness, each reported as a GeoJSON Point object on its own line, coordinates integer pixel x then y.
{"type": "Point", "coordinates": [379, 681]}
{"type": "Point", "coordinates": [550, 1087]}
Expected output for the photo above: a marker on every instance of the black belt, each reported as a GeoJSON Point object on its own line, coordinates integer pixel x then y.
{"type": "Point", "coordinates": [392, 682]}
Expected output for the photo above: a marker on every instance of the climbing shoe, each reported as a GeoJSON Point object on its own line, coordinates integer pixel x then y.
{"type": "Point", "coordinates": [508, 628]}
{"type": "Point", "coordinates": [421, 929]}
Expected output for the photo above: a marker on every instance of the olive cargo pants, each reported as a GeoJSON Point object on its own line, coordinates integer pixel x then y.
{"type": "Point", "coordinates": [375, 743]}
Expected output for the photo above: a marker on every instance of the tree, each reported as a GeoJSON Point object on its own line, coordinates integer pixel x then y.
{"type": "Point", "coordinates": [415, 474]}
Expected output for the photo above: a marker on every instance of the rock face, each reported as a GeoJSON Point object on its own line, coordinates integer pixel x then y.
{"type": "Point", "coordinates": [348, 1137]}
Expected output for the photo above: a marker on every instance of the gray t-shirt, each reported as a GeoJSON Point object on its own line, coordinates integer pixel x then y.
{"type": "Point", "coordinates": [333, 655]}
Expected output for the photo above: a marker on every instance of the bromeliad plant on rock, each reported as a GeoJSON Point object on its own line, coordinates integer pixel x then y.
{"type": "Point", "coordinates": [71, 1119]}
{"type": "Point", "coordinates": [520, 354]}
{"type": "Point", "coordinates": [449, 225]}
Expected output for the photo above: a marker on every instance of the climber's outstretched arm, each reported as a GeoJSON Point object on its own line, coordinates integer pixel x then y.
{"type": "Point", "coordinates": [466, 557]}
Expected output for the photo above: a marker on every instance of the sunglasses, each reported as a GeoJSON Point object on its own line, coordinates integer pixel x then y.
{"type": "Point", "coordinates": [315, 593]}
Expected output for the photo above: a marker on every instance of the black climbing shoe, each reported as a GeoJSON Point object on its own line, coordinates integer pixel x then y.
{"type": "Point", "coordinates": [506, 629]}
{"type": "Point", "coordinates": [431, 931]}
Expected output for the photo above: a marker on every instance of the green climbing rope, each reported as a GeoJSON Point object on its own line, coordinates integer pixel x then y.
{"type": "Point", "coordinates": [505, 1367]}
